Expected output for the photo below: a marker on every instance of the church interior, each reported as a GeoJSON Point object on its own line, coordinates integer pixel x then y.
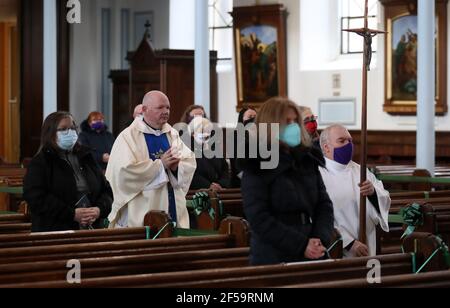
{"type": "Point", "coordinates": [360, 197]}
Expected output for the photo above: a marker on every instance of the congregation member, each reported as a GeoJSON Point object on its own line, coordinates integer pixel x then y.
{"type": "Point", "coordinates": [64, 186]}
{"type": "Point", "coordinates": [288, 208]}
{"type": "Point", "coordinates": [342, 179]}
{"type": "Point", "coordinates": [212, 173]}
{"type": "Point", "coordinates": [95, 135]}
{"type": "Point", "coordinates": [311, 125]}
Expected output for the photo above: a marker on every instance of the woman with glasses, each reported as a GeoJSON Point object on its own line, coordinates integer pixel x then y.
{"type": "Point", "coordinates": [64, 186]}
{"type": "Point", "coordinates": [310, 122]}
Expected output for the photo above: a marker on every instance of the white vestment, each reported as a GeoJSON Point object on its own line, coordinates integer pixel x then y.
{"type": "Point", "coordinates": [342, 185]}
{"type": "Point", "coordinates": [139, 184]}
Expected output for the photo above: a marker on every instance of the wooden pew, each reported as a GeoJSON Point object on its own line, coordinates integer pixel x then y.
{"type": "Point", "coordinates": [10, 177]}
{"type": "Point", "coordinates": [440, 279]}
{"type": "Point", "coordinates": [268, 276]}
{"type": "Point", "coordinates": [420, 195]}
{"type": "Point", "coordinates": [436, 278]}
{"type": "Point", "coordinates": [234, 232]}
{"type": "Point", "coordinates": [437, 204]}
{"type": "Point", "coordinates": [123, 265]}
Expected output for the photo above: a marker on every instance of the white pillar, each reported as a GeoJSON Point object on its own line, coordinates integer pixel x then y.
{"type": "Point", "coordinates": [50, 58]}
{"type": "Point", "coordinates": [426, 139]}
{"type": "Point", "coordinates": [202, 79]}
{"type": "Point", "coordinates": [180, 12]}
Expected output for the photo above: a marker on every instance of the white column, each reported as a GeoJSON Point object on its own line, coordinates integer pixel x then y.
{"type": "Point", "coordinates": [50, 58]}
{"type": "Point", "coordinates": [180, 12]}
{"type": "Point", "coordinates": [426, 140]}
{"type": "Point", "coordinates": [202, 80]}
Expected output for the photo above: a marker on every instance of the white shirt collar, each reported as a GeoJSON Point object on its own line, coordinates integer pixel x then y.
{"type": "Point", "coordinates": [140, 125]}
{"type": "Point", "coordinates": [335, 166]}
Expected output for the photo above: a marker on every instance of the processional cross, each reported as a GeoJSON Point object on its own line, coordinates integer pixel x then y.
{"type": "Point", "coordinates": [367, 34]}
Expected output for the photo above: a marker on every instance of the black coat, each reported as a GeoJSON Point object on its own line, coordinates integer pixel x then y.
{"type": "Point", "coordinates": [214, 170]}
{"type": "Point", "coordinates": [274, 201]}
{"type": "Point", "coordinates": [51, 192]}
{"type": "Point", "coordinates": [99, 142]}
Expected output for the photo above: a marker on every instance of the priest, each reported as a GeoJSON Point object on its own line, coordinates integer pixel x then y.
{"type": "Point", "coordinates": [342, 180]}
{"type": "Point", "coordinates": [150, 168]}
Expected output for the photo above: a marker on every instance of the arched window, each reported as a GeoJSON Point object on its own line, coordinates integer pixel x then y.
{"type": "Point", "coordinates": [352, 16]}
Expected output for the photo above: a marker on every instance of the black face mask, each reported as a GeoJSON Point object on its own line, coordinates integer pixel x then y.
{"type": "Point", "coordinates": [252, 120]}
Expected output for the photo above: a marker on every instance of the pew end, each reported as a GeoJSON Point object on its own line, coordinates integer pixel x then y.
{"type": "Point", "coordinates": [24, 209]}
{"type": "Point", "coordinates": [425, 245]}
{"type": "Point", "coordinates": [421, 186]}
{"type": "Point", "coordinates": [337, 251]}
{"type": "Point", "coordinates": [237, 227]}
{"type": "Point", "coordinates": [429, 220]}
{"type": "Point", "coordinates": [157, 220]}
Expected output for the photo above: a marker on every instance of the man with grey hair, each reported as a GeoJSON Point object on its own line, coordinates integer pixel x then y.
{"type": "Point", "coordinates": [150, 168]}
{"type": "Point", "coordinates": [341, 177]}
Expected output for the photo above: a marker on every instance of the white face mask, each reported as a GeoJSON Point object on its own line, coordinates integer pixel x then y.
{"type": "Point", "coordinates": [66, 140]}
{"type": "Point", "coordinates": [201, 138]}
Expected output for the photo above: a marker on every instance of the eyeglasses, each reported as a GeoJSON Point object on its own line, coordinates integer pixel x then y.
{"type": "Point", "coordinates": [66, 131]}
{"type": "Point", "coordinates": [311, 119]}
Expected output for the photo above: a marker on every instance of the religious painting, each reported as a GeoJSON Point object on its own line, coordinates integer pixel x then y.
{"type": "Point", "coordinates": [260, 53]}
{"type": "Point", "coordinates": [258, 59]}
{"type": "Point", "coordinates": [401, 57]}
{"type": "Point", "coordinates": [404, 58]}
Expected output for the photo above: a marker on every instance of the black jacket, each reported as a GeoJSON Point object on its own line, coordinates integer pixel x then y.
{"type": "Point", "coordinates": [99, 142]}
{"type": "Point", "coordinates": [274, 201]}
{"type": "Point", "coordinates": [51, 192]}
{"type": "Point", "coordinates": [214, 170]}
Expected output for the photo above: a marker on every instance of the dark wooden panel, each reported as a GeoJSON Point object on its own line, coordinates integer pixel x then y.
{"type": "Point", "coordinates": [170, 71]}
{"type": "Point", "coordinates": [31, 25]}
{"type": "Point", "coordinates": [180, 87]}
{"type": "Point", "coordinates": [31, 29]}
{"type": "Point", "coordinates": [399, 147]}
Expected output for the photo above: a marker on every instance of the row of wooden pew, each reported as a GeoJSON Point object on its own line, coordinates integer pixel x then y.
{"type": "Point", "coordinates": [171, 263]}
{"type": "Point", "coordinates": [436, 207]}
{"type": "Point", "coordinates": [131, 258]}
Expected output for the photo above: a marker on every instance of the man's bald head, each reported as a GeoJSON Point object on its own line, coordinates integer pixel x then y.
{"type": "Point", "coordinates": [156, 109]}
{"type": "Point", "coordinates": [154, 97]}
{"type": "Point", "coordinates": [333, 137]}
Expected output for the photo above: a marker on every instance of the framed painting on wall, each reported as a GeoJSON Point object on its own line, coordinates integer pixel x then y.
{"type": "Point", "coordinates": [260, 53]}
{"type": "Point", "coordinates": [401, 43]}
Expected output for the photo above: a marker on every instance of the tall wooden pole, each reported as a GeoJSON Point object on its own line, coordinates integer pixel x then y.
{"type": "Point", "coordinates": [367, 34]}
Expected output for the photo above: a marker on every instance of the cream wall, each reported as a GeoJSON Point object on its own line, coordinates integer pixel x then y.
{"type": "Point", "coordinates": [308, 21]}
{"type": "Point", "coordinates": [312, 45]}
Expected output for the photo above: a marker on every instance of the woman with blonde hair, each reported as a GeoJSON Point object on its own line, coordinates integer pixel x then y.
{"type": "Point", "coordinates": [290, 213]}
{"type": "Point", "coordinates": [310, 122]}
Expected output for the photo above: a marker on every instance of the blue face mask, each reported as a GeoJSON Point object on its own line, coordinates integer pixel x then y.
{"type": "Point", "coordinates": [67, 140]}
{"type": "Point", "coordinates": [292, 135]}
